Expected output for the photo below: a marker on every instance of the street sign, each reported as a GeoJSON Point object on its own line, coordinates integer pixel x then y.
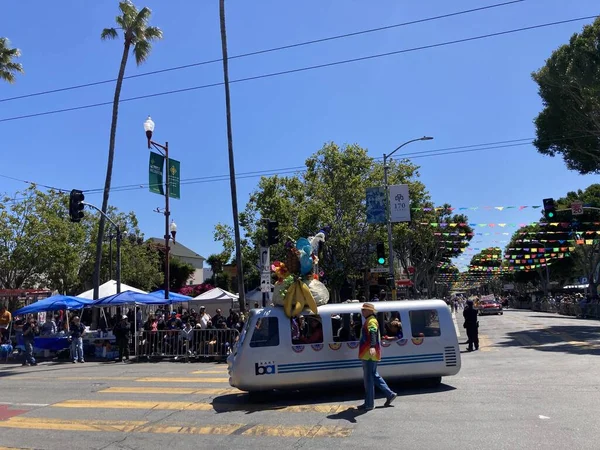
{"type": "Point", "coordinates": [265, 282]}
{"type": "Point", "coordinates": [577, 208]}
{"type": "Point", "coordinates": [380, 270]}
{"type": "Point", "coordinates": [265, 260]}
{"type": "Point", "coordinates": [399, 203]}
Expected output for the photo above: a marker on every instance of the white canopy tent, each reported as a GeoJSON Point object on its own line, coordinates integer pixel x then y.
{"type": "Point", "coordinates": [109, 288]}
{"type": "Point", "coordinates": [213, 299]}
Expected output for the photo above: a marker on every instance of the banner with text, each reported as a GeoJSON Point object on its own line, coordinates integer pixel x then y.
{"type": "Point", "coordinates": [174, 179]}
{"type": "Point", "coordinates": [155, 173]}
{"type": "Point", "coordinates": [399, 203]}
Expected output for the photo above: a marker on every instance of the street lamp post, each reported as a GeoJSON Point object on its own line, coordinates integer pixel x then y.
{"type": "Point", "coordinates": [388, 212]}
{"type": "Point", "coordinates": [164, 150]}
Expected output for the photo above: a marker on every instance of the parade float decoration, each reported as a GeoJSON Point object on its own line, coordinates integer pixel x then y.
{"type": "Point", "coordinates": [298, 287]}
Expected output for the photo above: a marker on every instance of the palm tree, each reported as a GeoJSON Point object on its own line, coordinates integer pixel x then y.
{"type": "Point", "coordinates": [234, 207]}
{"type": "Point", "coordinates": [8, 68]}
{"type": "Point", "coordinates": [137, 34]}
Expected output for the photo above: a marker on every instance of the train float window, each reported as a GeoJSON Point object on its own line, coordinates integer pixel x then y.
{"type": "Point", "coordinates": [346, 327]}
{"type": "Point", "coordinates": [266, 333]}
{"type": "Point", "coordinates": [306, 329]}
{"type": "Point", "coordinates": [392, 326]}
{"type": "Point", "coordinates": [424, 323]}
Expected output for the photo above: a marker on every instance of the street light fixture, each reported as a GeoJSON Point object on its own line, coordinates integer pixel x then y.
{"type": "Point", "coordinates": [388, 212]}
{"type": "Point", "coordinates": [163, 150]}
{"type": "Point", "coordinates": [173, 228]}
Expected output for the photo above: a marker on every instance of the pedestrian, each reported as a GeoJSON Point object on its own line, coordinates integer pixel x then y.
{"type": "Point", "coordinates": [30, 329]}
{"type": "Point", "coordinates": [122, 332]}
{"type": "Point", "coordinates": [369, 351]}
{"type": "Point", "coordinates": [471, 325]}
{"type": "Point", "coordinates": [77, 332]}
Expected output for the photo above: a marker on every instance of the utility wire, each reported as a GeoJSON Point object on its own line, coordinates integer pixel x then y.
{"type": "Point", "coordinates": [269, 50]}
{"type": "Point", "coordinates": [301, 69]}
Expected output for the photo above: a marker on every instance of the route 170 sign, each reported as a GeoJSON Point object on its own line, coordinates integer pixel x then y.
{"type": "Point", "coordinates": [399, 203]}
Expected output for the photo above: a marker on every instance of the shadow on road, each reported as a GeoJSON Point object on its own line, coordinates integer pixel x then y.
{"type": "Point", "coordinates": [275, 400]}
{"type": "Point", "coordinates": [576, 339]}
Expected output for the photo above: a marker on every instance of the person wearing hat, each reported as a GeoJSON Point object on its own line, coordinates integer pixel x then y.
{"type": "Point", "coordinates": [122, 332]}
{"type": "Point", "coordinates": [77, 332]}
{"type": "Point", "coordinates": [471, 325]}
{"type": "Point", "coordinates": [369, 351]}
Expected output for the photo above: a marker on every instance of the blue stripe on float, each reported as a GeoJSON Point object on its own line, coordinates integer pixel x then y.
{"type": "Point", "coordinates": [357, 361]}
{"type": "Point", "coordinates": [350, 364]}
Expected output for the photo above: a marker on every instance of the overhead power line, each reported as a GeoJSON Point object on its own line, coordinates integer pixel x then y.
{"type": "Point", "coordinates": [301, 69]}
{"type": "Point", "coordinates": [269, 50]}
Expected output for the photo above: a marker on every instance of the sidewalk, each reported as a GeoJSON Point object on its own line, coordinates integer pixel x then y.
{"type": "Point", "coordinates": [456, 327]}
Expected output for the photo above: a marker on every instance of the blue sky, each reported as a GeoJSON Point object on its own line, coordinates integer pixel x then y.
{"type": "Point", "coordinates": [465, 94]}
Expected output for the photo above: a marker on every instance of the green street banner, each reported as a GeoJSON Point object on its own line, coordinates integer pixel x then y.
{"type": "Point", "coordinates": [155, 173]}
{"type": "Point", "coordinates": [174, 179]}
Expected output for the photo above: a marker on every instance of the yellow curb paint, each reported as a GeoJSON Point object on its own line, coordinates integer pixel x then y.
{"type": "Point", "coordinates": [182, 380]}
{"type": "Point", "coordinates": [195, 406]}
{"type": "Point", "coordinates": [209, 372]}
{"type": "Point", "coordinates": [297, 431]}
{"type": "Point", "coordinates": [167, 390]}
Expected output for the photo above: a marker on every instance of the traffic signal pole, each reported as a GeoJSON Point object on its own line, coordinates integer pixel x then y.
{"type": "Point", "coordinates": [119, 236]}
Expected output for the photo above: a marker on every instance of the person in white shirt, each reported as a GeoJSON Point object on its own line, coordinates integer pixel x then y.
{"type": "Point", "coordinates": [203, 318]}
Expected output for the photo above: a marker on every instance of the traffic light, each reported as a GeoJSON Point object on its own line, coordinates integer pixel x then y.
{"type": "Point", "coordinates": [272, 232]}
{"type": "Point", "coordinates": [76, 205]}
{"type": "Point", "coordinates": [380, 253]}
{"type": "Point", "coordinates": [549, 209]}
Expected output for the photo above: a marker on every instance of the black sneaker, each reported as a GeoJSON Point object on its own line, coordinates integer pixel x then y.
{"type": "Point", "coordinates": [389, 401]}
{"type": "Point", "coordinates": [364, 407]}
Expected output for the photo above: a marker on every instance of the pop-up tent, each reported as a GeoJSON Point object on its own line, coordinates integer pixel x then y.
{"type": "Point", "coordinates": [109, 288]}
{"type": "Point", "coordinates": [54, 303]}
{"type": "Point", "coordinates": [213, 299]}
{"type": "Point", "coordinates": [172, 295]}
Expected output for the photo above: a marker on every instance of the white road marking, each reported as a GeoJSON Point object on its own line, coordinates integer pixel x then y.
{"type": "Point", "coordinates": [25, 404]}
{"type": "Point", "coordinates": [543, 417]}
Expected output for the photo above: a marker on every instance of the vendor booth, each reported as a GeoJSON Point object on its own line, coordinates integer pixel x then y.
{"type": "Point", "coordinates": [213, 299]}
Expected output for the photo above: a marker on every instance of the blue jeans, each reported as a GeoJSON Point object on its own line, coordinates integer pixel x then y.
{"type": "Point", "coordinates": [77, 349]}
{"type": "Point", "coordinates": [29, 351]}
{"type": "Point", "coordinates": [372, 379]}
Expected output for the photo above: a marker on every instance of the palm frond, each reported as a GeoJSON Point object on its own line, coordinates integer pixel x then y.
{"type": "Point", "coordinates": [109, 33]}
{"type": "Point", "coordinates": [7, 76]}
{"type": "Point", "coordinates": [8, 68]}
{"type": "Point", "coordinates": [141, 50]}
{"type": "Point", "coordinates": [129, 13]}
{"type": "Point", "coordinates": [153, 33]}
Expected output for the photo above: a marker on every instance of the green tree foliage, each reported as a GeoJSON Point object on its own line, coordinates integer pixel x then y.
{"type": "Point", "coordinates": [330, 195]}
{"type": "Point", "coordinates": [139, 35]}
{"type": "Point", "coordinates": [39, 246]}
{"type": "Point", "coordinates": [569, 85]}
{"type": "Point", "coordinates": [8, 67]}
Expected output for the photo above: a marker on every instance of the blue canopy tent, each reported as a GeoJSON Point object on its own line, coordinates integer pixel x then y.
{"type": "Point", "coordinates": [172, 295]}
{"type": "Point", "coordinates": [54, 303]}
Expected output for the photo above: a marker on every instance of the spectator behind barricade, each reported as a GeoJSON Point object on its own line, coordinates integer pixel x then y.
{"type": "Point", "coordinates": [233, 319]}
{"type": "Point", "coordinates": [186, 337]}
{"type": "Point", "coordinates": [5, 320]}
{"type": "Point", "coordinates": [218, 317]}
{"type": "Point", "coordinates": [139, 317]}
{"type": "Point", "coordinates": [49, 327]}
{"type": "Point", "coordinates": [174, 322]}
{"type": "Point", "coordinates": [203, 318]}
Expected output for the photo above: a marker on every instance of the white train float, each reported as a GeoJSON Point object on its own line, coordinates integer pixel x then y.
{"type": "Point", "coordinates": [278, 353]}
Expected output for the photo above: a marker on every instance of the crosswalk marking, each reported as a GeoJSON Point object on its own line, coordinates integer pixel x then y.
{"type": "Point", "coordinates": [195, 406]}
{"type": "Point", "coordinates": [182, 380]}
{"type": "Point", "coordinates": [167, 390]}
{"type": "Point", "coordinates": [295, 431]}
{"type": "Point", "coordinates": [211, 372]}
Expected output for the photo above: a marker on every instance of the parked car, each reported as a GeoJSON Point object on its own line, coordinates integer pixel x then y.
{"type": "Point", "coordinates": [490, 307]}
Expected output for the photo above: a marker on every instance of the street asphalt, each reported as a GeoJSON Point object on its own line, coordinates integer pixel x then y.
{"type": "Point", "coordinates": [532, 385]}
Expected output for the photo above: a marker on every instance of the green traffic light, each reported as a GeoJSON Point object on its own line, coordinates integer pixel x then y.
{"type": "Point", "coordinates": [381, 260]}
{"type": "Point", "coordinates": [551, 214]}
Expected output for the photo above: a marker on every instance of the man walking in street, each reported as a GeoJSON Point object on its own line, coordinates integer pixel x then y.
{"type": "Point", "coordinates": [77, 332]}
{"type": "Point", "coordinates": [122, 332]}
{"type": "Point", "coordinates": [472, 325]}
{"type": "Point", "coordinates": [369, 351]}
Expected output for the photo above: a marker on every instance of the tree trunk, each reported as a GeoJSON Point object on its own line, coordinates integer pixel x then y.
{"type": "Point", "coordinates": [109, 167]}
{"type": "Point", "coordinates": [234, 207]}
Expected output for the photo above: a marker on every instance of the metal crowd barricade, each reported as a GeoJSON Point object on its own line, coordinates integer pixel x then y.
{"type": "Point", "coordinates": [213, 344]}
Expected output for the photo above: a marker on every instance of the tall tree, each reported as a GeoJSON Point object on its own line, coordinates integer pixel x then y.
{"type": "Point", "coordinates": [8, 67]}
{"type": "Point", "coordinates": [234, 206]}
{"type": "Point", "coordinates": [569, 85]}
{"type": "Point", "coordinates": [137, 35]}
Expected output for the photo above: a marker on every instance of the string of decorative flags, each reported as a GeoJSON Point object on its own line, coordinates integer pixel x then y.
{"type": "Point", "coordinates": [475, 208]}
{"type": "Point", "coordinates": [502, 225]}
